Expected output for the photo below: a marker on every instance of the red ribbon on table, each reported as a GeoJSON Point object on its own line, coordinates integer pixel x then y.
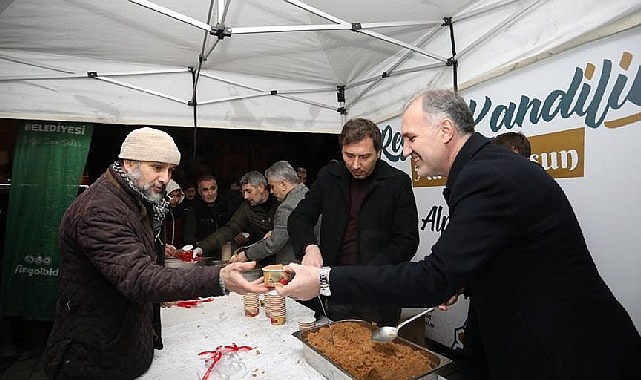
{"type": "Point", "coordinates": [218, 353]}
{"type": "Point", "coordinates": [193, 303]}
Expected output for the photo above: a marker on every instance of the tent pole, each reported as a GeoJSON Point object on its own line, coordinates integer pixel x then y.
{"type": "Point", "coordinates": [392, 69]}
{"type": "Point", "coordinates": [452, 61]}
{"type": "Point", "coordinates": [357, 27]}
{"type": "Point", "coordinates": [194, 103]}
{"type": "Point", "coordinates": [175, 15]}
{"type": "Point", "coordinates": [340, 98]}
{"type": "Point", "coordinates": [95, 75]}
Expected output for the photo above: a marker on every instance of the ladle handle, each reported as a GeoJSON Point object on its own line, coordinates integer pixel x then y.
{"type": "Point", "coordinates": [414, 317]}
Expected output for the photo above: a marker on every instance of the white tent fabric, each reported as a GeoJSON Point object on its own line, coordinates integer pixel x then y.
{"type": "Point", "coordinates": [279, 63]}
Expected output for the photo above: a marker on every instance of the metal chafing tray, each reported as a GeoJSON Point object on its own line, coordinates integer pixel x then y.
{"type": "Point", "coordinates": [331, 370]}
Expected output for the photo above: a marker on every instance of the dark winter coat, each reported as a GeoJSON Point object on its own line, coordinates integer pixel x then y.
{"type": "Point", "coordinates": [256, 220]}
{"type": "Point", "coordinates": [387, 220]}
{"type": "Point", "coordinates": [538, 306]}
{"type": "Point", "coordinates": [174, 225]}
{"type": "Point", "coordinates": [202, 220]}
{"type": "Point", "coordinates": [109, 282]}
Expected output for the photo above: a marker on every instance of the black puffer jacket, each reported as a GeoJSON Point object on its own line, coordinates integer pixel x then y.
{"type": "Point", "coordinates": [109, 282]}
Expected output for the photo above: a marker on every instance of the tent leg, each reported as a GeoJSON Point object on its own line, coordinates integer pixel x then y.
{"type": "Point", "coordinates": [452, 61]}
{"type": "Point", "coordinates": [194, 105]}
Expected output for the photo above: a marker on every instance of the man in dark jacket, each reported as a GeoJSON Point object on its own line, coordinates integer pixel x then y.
{"type": "Point", "coordinates": [289, 191]}
{"type": "Point", "coordinates": [369, 216]}
{"type": "Point", "coordinates": [109, 246]}
{"type": "Point", "coordinates": [254, 217]}
{"type": "Point", "coordinates": [515, 141]}
{"type": "Point", "coordinates": [514, 243]}
{"type": "Point", "coordinates": [174, 223]}
{"type": "Point", "coordinates": [208, 212]}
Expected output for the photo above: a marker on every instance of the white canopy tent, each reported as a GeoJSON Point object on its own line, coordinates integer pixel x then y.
{"type": "Point", "coordinates": [307, 65]}
{"type": "Point", "coordinates": [283, 65]}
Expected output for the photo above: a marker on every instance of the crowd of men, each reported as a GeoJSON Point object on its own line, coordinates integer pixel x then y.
{"type": "Point", "coordinates": [513, 245]}
{"type": "Point", "coordinates": [238, 217]}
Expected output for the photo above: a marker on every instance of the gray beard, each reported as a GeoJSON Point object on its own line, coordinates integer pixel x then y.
{"type": "Point", "coordinates": [134, 175]}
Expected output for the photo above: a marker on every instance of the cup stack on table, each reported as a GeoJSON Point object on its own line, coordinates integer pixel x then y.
{"type": "Point", "coordinates": [275, 354]}
{"type": "Point", "coordinates": [251, 304]}
{"type": "Point", "coordinates": [306, 323]}
{"type": "Point", "coordinates": [275, 308]}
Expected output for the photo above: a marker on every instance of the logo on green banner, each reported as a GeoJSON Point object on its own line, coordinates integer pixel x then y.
{"type": "Point", "coordinates": [48, 163]}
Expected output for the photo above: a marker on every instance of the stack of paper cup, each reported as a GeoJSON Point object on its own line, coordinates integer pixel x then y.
{"type": "Point", "coordinates": [275, 308]}
{"type": "Point", "coordinates": [251, 304]}
{"type": "Point", "coordinates": [306, 323]}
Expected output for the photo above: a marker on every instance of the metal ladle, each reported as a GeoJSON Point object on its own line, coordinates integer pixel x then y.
{"type": "Point", "coordinates": [388, 333]}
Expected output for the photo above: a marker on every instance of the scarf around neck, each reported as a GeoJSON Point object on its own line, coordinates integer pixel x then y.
{"type": "Point", "coordinates": [159, 208]}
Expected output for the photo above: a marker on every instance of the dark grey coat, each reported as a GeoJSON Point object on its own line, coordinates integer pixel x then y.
{"type": "Point", "coordinates": [278, 246]}
{"type": "Point", "coordinates": [109, 282]}
{"type": "Point", "coordinates": [256, 220]}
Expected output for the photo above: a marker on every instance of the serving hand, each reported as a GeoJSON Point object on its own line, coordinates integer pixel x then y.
{"type": "Point", "coordinates": [313, 256]}
{"type": "Point", "coordinates": [235, 281]}
{"type": "Point", "coordinates": [304, 286]}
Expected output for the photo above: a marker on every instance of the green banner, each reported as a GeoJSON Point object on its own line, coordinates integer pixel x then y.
{"type": "Point", "coordinates": [48, 163]}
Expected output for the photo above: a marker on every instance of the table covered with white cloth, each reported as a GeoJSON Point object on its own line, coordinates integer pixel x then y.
{"type": "Point", "coordinates": [275, 353]}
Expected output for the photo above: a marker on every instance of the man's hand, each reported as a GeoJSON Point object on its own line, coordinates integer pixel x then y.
{"type": "Point", "coordinates": [305, 284]}
{"type": "Point", "coordinates": [235, 282]}
{"type": "Point", "coordinates": [170, 251]}
{"type": "Point", "coordinates": [313, 256]}
{"type": "Point", "coordinates": [239, 257]}
{"type": "Point", "coordinates": [451, 301]}
{"type": "Point", "coordinates": [241, 237]}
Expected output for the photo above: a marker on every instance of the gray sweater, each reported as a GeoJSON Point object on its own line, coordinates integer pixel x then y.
{"type": "Point", "coordinates": [278, 244]}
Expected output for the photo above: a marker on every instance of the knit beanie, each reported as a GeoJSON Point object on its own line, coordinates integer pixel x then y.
{"type": "Point", "coordinates": [171, 186]}
{"type": "Point", "coordinates": [149, 144]}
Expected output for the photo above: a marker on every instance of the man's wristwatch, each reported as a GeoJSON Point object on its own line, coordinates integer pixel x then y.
{"type": "Point", "coordinates": [324, 282]}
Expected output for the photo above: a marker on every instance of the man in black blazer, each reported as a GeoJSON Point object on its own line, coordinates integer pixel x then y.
{"type": "Point", "coordinates": [538, 306]}
{"type": "Point", "coordinates": [369, 216]}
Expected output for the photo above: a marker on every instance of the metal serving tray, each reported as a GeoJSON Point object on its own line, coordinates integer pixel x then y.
{"type": "Point", "coordinates": [330, 369]}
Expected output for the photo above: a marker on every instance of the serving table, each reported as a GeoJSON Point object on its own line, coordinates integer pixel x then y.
{"type": "Point", "coordinates": [187, 331]}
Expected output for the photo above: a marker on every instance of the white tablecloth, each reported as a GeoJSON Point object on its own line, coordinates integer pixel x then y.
{"type": "Point", "coordinates": [275, 354]}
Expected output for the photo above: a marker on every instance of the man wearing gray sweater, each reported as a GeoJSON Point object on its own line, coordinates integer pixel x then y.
{"type": "Point", "coordinates": [275, 247]}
